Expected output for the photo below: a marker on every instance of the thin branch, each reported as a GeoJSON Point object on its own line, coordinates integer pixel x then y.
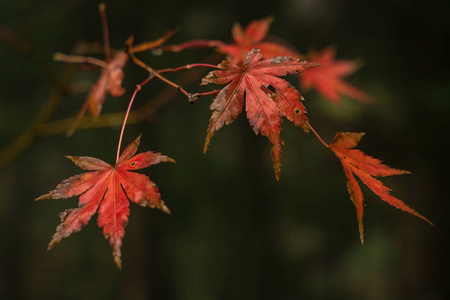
{"type": "Point", "coordinates": [186, 67]}
{"type": "Point", "coordinates": [194, 44]}
{"type": "Point", "coordinates": [191, 96]}
{"type": "Point", "coordinates": [197, 95]}
{"type": "Point", "coordinates": [41, 127]}
{"type": "Point", "coordinates": [79, 59]}
{"type": "Point", "coordinates": [153, 44]}
{"type": "Point", "coordinates": [102, 12]}
{"type": "Point", "coordinates": [154, 73]}
{"type": "Point", "coordinates": [87, 122]}
{"type": "Point", "coordinates": [145, 112]}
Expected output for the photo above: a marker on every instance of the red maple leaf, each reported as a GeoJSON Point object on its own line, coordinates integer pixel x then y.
{"type": "Point", "coordinates": [107, 189]}
{"type": "Point", "coordinates": [264, 107]}
{"type": "Point", "coordinates": [327, 79]}
{"type": "Point", "coordinates": [355, 162]}
{"type": "Point", "coordinates": [254, 36]}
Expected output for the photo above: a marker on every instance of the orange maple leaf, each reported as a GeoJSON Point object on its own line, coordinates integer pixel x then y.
{"type": "Point", "coordinates": [264, 107]}
{"type": "Point", "coordinates": [355, 162]}
{"type": "Point", "coordinates": [327, 79]}
{"type": "Point", "coordinates": [107, 189]}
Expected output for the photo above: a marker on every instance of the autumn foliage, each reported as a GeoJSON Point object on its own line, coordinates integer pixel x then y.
{"type": "Point", "coordinates": [250, 79]}
{"type": "Point", "coordinates": [107, 190]}
{"type": "Point", "coordinates": [328, 81]}
{"type": "Point", "coordinates": [263, 106]}
{"type": "Point", "coordinates": [365, 167]}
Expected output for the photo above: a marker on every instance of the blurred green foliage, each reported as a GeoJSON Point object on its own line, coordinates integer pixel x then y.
{"type": "Point", "coordinates": [236, 233]}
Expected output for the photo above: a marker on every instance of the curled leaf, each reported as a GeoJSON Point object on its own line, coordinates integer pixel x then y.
{"type": "Point", "coordinates": [110, 81]}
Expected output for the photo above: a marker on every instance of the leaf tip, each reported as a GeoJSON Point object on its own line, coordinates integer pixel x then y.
{"type": "Point", "coordinates": [118, 262]}
{"type": "Point", "coordinates": [361, 233]}
{"type": "Point", "coordinates": [55, 240]}
{"type": "Point", "coordinates": [50, 246]}
{"type": "Point", "coordinates": [277, 169]}
{"type": "Point", "coordinates": [428, 221]}
{"type": "Point", "coordinates": [138, 139]}
{"type": "Point", "coordinates": [43, 197]}
{"type": "Point", "coordinates": [117, 254]}
{"type": "Point", "coordinates": [74, 159]}
{"type": "Point", "coordinates": [208, 139]}
{"type": "Point", "coordinates": [165, 209]}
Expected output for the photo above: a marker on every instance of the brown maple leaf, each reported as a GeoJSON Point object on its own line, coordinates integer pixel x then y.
{"type": "Point", "coordinates": [107, 190]}
{"type": "Point", "coordinates": [112, 75]}
{"type": "Point", "coordinates": [355, 162]}
{"type": "Point", "coordinates": [252, 82]}
{"type": "Point", "coordinates": [327, 79]}
{"type": "Point", "coordinates": [110, 81]}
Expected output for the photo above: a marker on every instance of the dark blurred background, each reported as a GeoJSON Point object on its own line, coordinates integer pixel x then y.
{"type": "Point", "coordinates": [235, 232]}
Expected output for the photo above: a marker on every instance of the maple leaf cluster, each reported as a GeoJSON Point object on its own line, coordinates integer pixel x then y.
{"type": "Point", "coordinates": [252, 68]}
{"type": "Point", "coordinates": [327, 79]}
{"type": "Point", "coordinates": [252, 75]}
